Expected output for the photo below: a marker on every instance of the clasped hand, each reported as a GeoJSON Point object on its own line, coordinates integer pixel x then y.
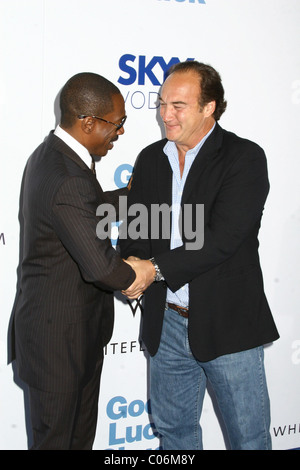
{"type": "Point", "coordinates": [145, 273]}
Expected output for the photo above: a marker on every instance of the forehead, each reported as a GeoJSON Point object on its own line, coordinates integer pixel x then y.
{"type": "Point", "coordinates": [181, 86]}
{"type": "Point", "coordinates": [118, 107]}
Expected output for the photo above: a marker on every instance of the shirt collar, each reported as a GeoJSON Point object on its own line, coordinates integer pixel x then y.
{"type": "Point", "coordinates": [78, 148]}
{"type": "Point", "coordinates": [171, 149]}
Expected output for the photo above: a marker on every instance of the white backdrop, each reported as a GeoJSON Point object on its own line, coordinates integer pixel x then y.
{"type": "Point", "coordinates": [255, 47]}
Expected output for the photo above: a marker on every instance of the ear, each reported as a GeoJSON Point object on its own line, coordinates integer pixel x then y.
{"type": "Point", "coordinates": [209, 108]}
{"type": "Point", "coordinates": [87, 124]}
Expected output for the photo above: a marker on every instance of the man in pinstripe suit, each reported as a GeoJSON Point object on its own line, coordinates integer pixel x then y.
{"type": "Point", "coordinates": [63, 314]}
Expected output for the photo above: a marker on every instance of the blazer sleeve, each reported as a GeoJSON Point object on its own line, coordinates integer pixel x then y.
{"type": "Point", "coordinates": [75, 221]}
{"type": "Point", "coordinates": [234, 216]}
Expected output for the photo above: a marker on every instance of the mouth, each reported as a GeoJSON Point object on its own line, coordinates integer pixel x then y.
{"type": "Point", "coordinates": [111, 143]}
{"type": "Point", "coordinates": [170, 127]}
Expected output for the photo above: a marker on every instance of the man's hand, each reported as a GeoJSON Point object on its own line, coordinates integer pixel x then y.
{"type": "Point", "coordinates": [145, 273]}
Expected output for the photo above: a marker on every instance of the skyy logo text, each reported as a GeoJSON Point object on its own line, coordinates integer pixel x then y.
{"type": "Point", "coordinates": [137, 69]}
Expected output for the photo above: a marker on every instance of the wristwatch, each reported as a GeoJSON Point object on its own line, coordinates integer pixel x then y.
{"type": "Point", "coordinates": [158, 275]}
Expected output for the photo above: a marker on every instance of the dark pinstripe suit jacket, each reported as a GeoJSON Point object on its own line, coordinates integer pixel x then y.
{"type": "Point", "coordinates": [63, 314]}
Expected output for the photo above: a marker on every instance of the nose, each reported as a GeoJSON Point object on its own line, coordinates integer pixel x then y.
{"type": "Point", "coordinates": [121, 131]}
{"type": "Point", "coordinates": [166, 113]}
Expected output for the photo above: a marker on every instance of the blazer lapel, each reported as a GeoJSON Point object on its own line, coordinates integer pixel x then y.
{"type": "Point", "coordinates": [164, 179]}
{"type": "Point", "coordinates": [204, 158]}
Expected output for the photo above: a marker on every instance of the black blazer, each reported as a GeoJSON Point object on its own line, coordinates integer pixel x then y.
{"type": "Point", "coordinates": [228, 308]}
{"type": "Point", "coordinates": [64, 312]}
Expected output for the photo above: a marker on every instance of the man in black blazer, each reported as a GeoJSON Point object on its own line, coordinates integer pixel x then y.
{"type": "Point", "coordinates": [63, 313]}
{"type": "Point", "coordinates": [206, 316]}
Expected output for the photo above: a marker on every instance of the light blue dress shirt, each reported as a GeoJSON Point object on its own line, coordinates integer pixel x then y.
{"type": "Point", "coordinates": [181, 296]}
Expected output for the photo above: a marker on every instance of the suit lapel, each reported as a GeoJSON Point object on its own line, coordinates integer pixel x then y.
{"type": "Point", "coordinates": [204, 159]}
{"type": "Point", "coordinates": [164, 179]}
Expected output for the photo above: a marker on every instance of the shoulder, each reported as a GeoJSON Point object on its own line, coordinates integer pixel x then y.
{"type": "Point", "coordinates": [237, 143]}
{"type": "Point", "coordinates": [154, 149]}
{"type": "Point", "coordinates": [151, 154]}
{"type": "Point", "coordinates": [53, 167]}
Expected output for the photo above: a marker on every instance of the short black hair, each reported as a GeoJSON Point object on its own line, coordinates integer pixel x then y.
{"type": "Point", "coordinates": [86, 93]}
{"type": "Point", "coordinates": [211, 88]}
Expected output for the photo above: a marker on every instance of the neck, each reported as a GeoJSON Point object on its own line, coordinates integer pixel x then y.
{"type": "Point", "coordinates": [184, 148]}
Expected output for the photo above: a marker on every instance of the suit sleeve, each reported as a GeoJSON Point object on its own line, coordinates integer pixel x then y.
{"type": "Point", "coordinates": [75, 222]}
{"type": "Point", "coordinates": [235, 215]}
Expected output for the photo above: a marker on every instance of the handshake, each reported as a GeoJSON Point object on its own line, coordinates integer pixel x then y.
{"type": "Point", "coordinates": [145, 274]}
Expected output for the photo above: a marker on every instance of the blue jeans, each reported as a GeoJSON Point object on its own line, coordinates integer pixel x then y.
{"type": "Point", "coordinates": [178, 383]}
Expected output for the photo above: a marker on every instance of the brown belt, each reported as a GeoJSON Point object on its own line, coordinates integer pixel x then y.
{"type": "Point", "coordinates": [184, 312]}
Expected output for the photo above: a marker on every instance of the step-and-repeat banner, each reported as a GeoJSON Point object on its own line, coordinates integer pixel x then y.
{"type": "Point", "coordinates": [255, 46]}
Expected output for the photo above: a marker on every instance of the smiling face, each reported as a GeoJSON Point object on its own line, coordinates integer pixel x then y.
{"type": "Point", "coordinates": [99, 136]}
{"type": "Point", "coordinates": [185, 122]}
